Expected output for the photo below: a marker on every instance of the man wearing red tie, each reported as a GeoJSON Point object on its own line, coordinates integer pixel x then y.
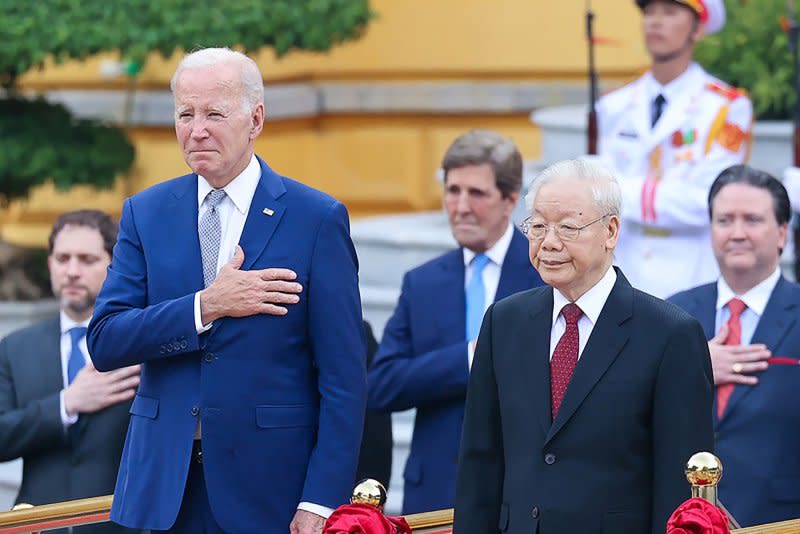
{"type": "Point", "coordinates": [586, 397]}
{"type": "Point", "coordinates": [750, 317]}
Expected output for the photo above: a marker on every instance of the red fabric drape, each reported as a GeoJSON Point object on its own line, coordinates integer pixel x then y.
{"type": "Point", "coordinates": [697, 516]}
{"type": "Point", "coordinates": [363, 519]}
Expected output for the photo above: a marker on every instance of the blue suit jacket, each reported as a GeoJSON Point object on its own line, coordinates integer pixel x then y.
{"type": "Point", "coordinates": [281, 399]}
{"type": "Point", "coordinates": [422, 363]}
{"type": "Point", "coordinates": [758, 437]}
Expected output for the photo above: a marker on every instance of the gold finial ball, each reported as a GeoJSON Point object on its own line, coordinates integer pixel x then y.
{"type": "Point", "coordinates": [703, 469]}
{"type": "Point", "coordinates": [369, 491]}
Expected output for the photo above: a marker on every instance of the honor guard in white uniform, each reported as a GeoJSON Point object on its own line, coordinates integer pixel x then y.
{"type": "Point", "coordinates": [667, 136]}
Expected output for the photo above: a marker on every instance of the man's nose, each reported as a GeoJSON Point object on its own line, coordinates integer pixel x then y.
{"type": "Point", "coordinates": [463, 204]}
{"type": "Point", "coordinates": [199, 130]}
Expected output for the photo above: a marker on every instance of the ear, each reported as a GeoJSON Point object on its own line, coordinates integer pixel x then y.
{"type": "Point", "coordinates": [698, 32]}
{"type": "Point", "coordinates": [612, 231]}
{"type": "Point", "coordinates": [783, 234]}
{"type": "Point", "coordinates": [257, 121]}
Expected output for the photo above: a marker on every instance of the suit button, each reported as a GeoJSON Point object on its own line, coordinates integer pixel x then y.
{"type": "Point", "coordinates": [168, 347]}
{"type": "Point", "coordinates": [209, 357]}
{"type": "Point", "coordinates": [195, 410]}
{"type": "Point", "coordinates": [162, 350]}
{"type": "Point", "coordinates": [549, 458]}
{"type": "Point", "coordinates": [184, 345]}
{"type": "Point", "coordinates": [176, 346]}
{"type": "Point", "coordinates": [535, 512]}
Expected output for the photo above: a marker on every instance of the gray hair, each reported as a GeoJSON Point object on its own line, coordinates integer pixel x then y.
{"type": "Point", "coordinates": [252, 88]}
{"type": "Point", "coordinates": [605, 188]}
{"type": "Point", "coordinates": [478, 147]}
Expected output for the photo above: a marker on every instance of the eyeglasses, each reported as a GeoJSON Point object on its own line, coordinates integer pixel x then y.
{"type": "Point", "coordinates": [536, 231]}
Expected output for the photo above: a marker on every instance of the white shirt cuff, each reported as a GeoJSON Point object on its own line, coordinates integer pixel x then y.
{"type": "Point", "coordinates": [66, 420]}
{"type": "Point", "coordinates": [322, 511]}
{"type": "Point", "coordinates": [471, 352]}
{"type": "Point", "coordinates": [198, 317]}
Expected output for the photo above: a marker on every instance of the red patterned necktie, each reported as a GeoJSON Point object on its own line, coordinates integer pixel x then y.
{"type": "Point", "coordinates": [565, 357]}
{"type": "Point", "coordinates": [736, 307]}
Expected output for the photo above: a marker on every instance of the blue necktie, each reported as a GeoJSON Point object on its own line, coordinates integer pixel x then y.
{"type": "Point", "coordinates": [476, 296]}
{"type": "Point", "coordinates": [76, 358]}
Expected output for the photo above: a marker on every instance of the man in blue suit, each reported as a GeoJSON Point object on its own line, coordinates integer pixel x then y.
{"type": "Point", "coordinates": [750, 316]}
{"type": "Point", "coordinates": [426, 352]}
{"type": "Point", "coordinates": [249, 413]}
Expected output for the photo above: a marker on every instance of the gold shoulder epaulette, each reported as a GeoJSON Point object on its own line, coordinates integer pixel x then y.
{"type": "Point", "coordinates": [725, 90]}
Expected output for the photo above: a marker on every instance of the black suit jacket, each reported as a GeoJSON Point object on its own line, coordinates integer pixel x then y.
{"type": "Point", "coordinates": [30, 426]}
{"type": "Point", "coordinates": [375, 458]}
{"type": "Point", "coordinates": [638, 406]}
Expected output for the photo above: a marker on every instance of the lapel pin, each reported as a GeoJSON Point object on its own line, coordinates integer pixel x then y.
{"type": "Point", "coordinates": [268, 212]}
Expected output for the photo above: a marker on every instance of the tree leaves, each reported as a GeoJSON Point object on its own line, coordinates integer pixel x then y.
{"type": "Point", "coordinates": [753, 52]}
{"type": "Point", "coordinates": [41, 141]}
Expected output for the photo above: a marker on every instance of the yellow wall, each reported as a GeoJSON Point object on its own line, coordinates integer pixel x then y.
{"type": "Point", "coordinates": [377, 163]}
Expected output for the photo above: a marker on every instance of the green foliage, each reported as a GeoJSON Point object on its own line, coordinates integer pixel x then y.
{"type": "Point", "coordinates": [41, 141]}
{"type": "Point", "coordinates": [753, 52]}
{"type": "Point", "coordinates": [76, 29]}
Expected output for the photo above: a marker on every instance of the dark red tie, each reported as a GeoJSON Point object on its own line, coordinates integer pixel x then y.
{"type": "Point", "coordinates": [565, 357]}
{"type": "Point", "coordinates": [736, 307]}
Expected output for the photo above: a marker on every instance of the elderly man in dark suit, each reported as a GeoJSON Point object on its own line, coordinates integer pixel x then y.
{"type": "Point", "coordinates": [64, 418]}
{"type": "Point", "coordinates": [424, 358]}
{"type": "Point", "coordinates": [750, 317]}
{"type": "Point", "coordinates": [586, 398]}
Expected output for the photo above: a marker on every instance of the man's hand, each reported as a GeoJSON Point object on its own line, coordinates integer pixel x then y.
{"type": "Point", "coordinates": [237, 293]}
{"type": "Point", "coordinates": [305, 522]}
{"type": "Point", "coordinates": [733, 363]}
{"type": "Point", "coordinates": [91, 391]}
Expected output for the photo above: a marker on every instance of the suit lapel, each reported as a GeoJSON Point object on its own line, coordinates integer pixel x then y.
{"type": "Point", "coordinates": [181, 211]}
{"type": "Point", "coordinates": [264, 216]}
{"type": "Point", "coordinates": [704, 309]}
{"type": "Point", "coordinates": [779, 317]}
{"type": "Point", "coordinates": [607, 339]}
{"type": "Point", "coordinates": [50, 351]}
{"type": "Point", "coordinates": [449, 280]}
{"type": "Point", "coordinates": [536, 363]}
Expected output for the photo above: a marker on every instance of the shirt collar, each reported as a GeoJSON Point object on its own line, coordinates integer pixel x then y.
{"type": "Point", "coordinates": [591, 302]}
{"type": "Point", "coordinates": [240, 190]}
{"type": "Point", "coordinates": [498, 251]}
{"type": "Point", "coordinates": [673, 89]}
{"type": "Point", "coordinates": [67, 323]}
{"type": "Point", "coordinates": [756, 298]}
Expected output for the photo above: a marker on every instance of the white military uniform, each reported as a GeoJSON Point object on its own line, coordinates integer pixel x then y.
{"type": "Point", "coordinates": [666, 172]}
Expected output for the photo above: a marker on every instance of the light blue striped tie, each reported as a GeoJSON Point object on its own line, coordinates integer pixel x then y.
{"type": "Point", "coordinates": [211, 235]}
{"type": "Point", "coordinates": [476, 296]}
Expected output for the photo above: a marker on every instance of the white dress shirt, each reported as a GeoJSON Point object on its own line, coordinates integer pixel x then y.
{"type": "Point", "coordinates": [591, 303]}
{"type": "Point", "coordinates": [68, 324]}
{"type": "Point", "coordinates": [233, 212]}
{"type": "Point", "coordinates": [673, 89]}
{"type": "Point", "coordinates": [491, 274]}
{"type": "Point", "coordinates": [756, 300]}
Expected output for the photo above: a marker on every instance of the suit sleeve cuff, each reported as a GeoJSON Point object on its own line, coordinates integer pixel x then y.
{"type": "Point", "coordinates": [198, 317]}
{"type": "Point", "coordinates": [322, 511]}
{"type": "Point", "coordinates": [66, 419]}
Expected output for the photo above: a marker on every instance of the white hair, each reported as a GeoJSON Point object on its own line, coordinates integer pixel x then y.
{"type": "Point", "coordinates": [252, 89]}
{"type": "Point", "coordinates": [605, 188]}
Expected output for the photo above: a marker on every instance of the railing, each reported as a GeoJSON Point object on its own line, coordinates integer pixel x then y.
{"type": "Point", "coordinates": [24, 520]}
{"type": "Point", "coordinates": [703, 473]}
